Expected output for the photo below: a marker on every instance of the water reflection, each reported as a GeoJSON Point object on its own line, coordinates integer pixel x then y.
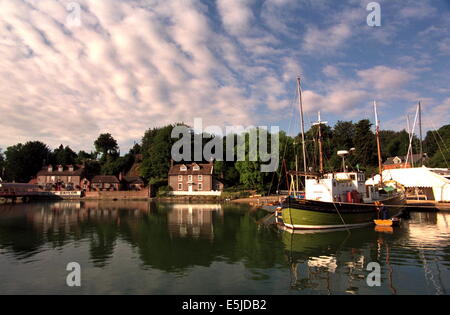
{"type": "Point", "coordinates": [336, 261]}
{"type": "Point", "coordinates": [194, 220]}
{"type": "Point", "coordinates": [214, 248]}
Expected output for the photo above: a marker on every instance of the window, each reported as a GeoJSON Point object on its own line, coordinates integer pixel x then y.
{"type": "Point", "coordinates": [196, 167]}
{"type": "Point", "coordinates": [180, 178]}
{"type": "Point", "coordinates": [200, 186]}
{"type": "Point", "coordinates": [183, 168]}
{"type": "Point", "coordinates": [352, 177]}
{"type": "Point", "coordinates": [200, 178]}
{"type": "Point", "coordinates": [190, 178]}
{"type": "Point", "coordinates": [180, 186]}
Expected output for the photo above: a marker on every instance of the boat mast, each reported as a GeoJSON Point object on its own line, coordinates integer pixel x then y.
{"type": "Point", "coordinates": [377, 126]}
{"type": "Point", "coordinates": [319, 123]}
{"type": "Point", "coordinates": [300, 104]}
{"type": "Point", "coordinates": [420, 128]}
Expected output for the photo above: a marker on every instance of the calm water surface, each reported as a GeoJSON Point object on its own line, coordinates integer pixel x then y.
{"type": "Point", "coordinates": [155, 248]}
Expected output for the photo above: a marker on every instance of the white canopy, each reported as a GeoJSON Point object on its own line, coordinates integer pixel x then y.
{"type": "Point", "coordinates": [417, 177]}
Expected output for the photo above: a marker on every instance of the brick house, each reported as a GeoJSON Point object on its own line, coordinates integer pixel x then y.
{"type": "Point", "coordinates": [400, 161]}
{"type": "Point", "coordinates": [104, 183]}
{"type": "Point", "coordinates": [135, 183]}
{"type": "Point", "coordinates": [194, 179]}
{"type": "Point", "coordinates": [61, 177]}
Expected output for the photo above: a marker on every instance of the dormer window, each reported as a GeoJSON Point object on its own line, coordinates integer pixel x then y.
{"type": "Point", "coordinates": [70, 168]}
{"type": "Point", "coordinates": [183, 168]}
{"type": "Point", "coordinates": [60, 168]}
{"type": "Point", "coordinates": [50, 168]}
{"type": "Point", "coordinates": [196, 167]}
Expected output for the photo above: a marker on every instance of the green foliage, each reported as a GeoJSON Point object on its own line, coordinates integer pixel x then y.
{"type": "Point", "coordinates": [365, 144]}
{"type": "Point", "coordinates": [106, 145]}
{"type": "Point", "coordinates": [437, 145]}
{"type": "Point", "coordinates": [23, 161]}
{"type": "Point", "coordinates": [2, 164]}
{"type": "Point", "coordinates": [156, 150]}
{"type": "Point", "coordinates": [83, 156]}
{"type": "Point", "coordinates": [163, 191]}
{"type": "Point", "coordinates": [116, 165]}
{"type": "Point", "coordinates": [250, 174]}
{"type": "Point", "coordinates": [64, 156]}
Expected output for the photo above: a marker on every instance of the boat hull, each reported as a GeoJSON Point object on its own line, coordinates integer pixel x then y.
{"type": "Point", "coordinates": [298, 214]}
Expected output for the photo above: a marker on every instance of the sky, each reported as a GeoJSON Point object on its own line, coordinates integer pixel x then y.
{"type": "Point", "coordinates": [123, 66]}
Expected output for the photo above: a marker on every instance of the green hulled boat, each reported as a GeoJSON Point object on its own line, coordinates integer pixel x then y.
{"type": "Point", "coordinates": [311, 214]}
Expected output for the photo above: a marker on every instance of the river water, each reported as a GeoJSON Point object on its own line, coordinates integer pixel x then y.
{"type": "Point", "coordinates": [161, 248]}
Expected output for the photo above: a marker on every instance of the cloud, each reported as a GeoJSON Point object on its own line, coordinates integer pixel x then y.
{"type": "Point", "coordinates": [236, 16]}
{"type": "Point", "coordinates": [385, 78]}
{"type": "Point", "coordinates": [130, 66]}
{"type": "Point", "coordinates": [326, 40]}
{"type": "Point", "coordinates": [331, 71]}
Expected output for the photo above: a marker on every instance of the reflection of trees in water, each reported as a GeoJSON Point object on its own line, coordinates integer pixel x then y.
{"type": "Point", "coordinates": [232, 234]}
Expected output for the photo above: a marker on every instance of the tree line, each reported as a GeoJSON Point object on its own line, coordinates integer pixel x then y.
{"type": "Point", "coordinates": [21, 162]}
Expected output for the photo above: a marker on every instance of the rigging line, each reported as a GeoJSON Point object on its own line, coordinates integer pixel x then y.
{"type": "Point", "coordinates": [411, 135]}
{"type": "Point", "coordinates": [437, 131]}
{"type": "Point", "coordinates": [334, 204]}
{"type": "Point", "coordinates": [285, 146]}
{"type": "Point", "coordinates": [440, 150]}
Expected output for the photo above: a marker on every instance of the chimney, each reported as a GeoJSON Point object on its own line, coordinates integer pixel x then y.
{"type": "Point", "coordinates": [120, 176]}
{"type": "Point", "coordinates": [171, 162]}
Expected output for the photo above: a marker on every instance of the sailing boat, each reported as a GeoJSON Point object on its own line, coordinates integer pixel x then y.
{"type": "Point", "coordinates": [339, 199]}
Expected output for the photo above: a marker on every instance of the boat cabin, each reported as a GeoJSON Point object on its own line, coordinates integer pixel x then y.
{"type": "Point", "coordinates": [337, 187]}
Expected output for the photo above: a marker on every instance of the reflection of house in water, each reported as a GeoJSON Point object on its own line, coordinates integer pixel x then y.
{"type": "Point", "coordinates": [194, 220]}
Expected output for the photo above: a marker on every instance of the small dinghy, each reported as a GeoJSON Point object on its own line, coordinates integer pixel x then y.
{"type": "Point", "coordinates": [390, 222]}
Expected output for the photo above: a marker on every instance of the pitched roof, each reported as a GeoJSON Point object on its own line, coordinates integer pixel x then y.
{"type": "Point", "coordinates": [133, 180]}
{"type": "Point", "coordinates": [78, 171]}
{"type": "Point", "coordinates": [415, 159]}
{"type": "Point", "coordinates": [205, 169]}
{"type": "Point", "coordinates": [105, 179]}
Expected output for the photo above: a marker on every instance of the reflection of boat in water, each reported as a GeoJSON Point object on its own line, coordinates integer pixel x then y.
{"type": "Point", "coordinates": [335, 260]}
{"type": "Point", "coordinates": [194, 220]}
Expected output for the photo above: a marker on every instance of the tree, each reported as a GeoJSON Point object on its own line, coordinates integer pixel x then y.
{"type": "Point", "coordinates": [106, 145]}
{"type": "Point", "coordinates": [437, 143]}
{"type": "Point", "coordinates": [115, 166]}
{"type": "Point", "coordinates": [250, 174]}
{"type": "Point", "coordinates": [136, 149]}
{"type": "Point", "coordinates": [23, 161]}
{"type": "Point", "coordinates": [156, 150]}
{"type": "Point", "coordinates": [2, 164]}
{"type": "Point", "coordinates": [83, 156]}
{"type": "Point", "coordinates": [365, 145]}
{"type": "Point", "coordinates": [64, 156]}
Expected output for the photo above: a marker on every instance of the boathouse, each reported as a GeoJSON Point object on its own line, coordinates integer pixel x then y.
{"type": "Point", "coordinates": [420, 182]}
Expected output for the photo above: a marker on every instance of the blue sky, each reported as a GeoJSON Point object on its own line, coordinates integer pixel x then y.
{"type": "Point", "coordinates": [131, 65]}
